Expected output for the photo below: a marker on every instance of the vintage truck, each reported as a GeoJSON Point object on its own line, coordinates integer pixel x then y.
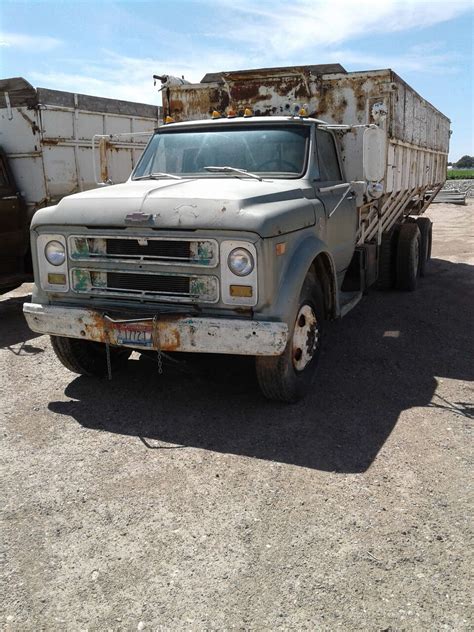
{"type": "Point", "coordinates": [47, 152]}
{"type": "Point", "coordinates": [268, 202]}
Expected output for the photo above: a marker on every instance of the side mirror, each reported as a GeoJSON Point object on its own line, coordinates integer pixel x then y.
{"type": "Point", "coordinates": [374, 147]}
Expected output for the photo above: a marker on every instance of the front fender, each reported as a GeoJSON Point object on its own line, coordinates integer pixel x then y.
{"type": "Point", "coordinates": [292, 275]}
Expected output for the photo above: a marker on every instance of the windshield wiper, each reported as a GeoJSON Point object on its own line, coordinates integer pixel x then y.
{"type": "Point", "coordinates": [158, 174]}
{"type": "Point", "coordinates": [233, 170]}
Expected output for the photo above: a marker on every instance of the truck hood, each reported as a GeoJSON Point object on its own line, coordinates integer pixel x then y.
{"type": "Point", "coordinates": [268, 208]}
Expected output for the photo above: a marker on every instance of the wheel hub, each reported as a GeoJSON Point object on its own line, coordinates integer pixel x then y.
{"type": "Point", "coordinates": [305, 337]}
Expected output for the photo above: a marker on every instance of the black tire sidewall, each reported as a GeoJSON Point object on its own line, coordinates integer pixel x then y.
{"type": "Point", "coordinates": [299, 382]}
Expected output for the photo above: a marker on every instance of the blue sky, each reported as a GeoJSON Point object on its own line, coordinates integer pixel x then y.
{"type": "Point", "coordinates": [113, 48]}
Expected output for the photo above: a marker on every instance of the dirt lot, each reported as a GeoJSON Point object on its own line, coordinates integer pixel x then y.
{"type": "Point", "coordinates": [188, 502]}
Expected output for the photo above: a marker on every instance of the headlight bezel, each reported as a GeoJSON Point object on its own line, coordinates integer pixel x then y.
{"type": "Point", "coordinates": [230, 279]}
{"type": "Point", "coordinates": [46, 268]}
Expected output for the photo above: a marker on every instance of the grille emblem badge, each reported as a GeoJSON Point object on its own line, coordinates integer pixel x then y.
{"type": "Point", "coordinates": [138, 218]}
{"type": "Point", "coordinates": [142, 241]}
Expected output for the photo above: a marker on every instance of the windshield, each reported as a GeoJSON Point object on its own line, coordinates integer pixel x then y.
{"type": "Point", "coordinates": [276, 150]}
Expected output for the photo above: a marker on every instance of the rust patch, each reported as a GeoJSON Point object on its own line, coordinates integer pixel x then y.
{"type": "Point", "coordinates": [96, 329]}
{"type": "Point", "coordinates": [176, 344]}
{"type": "Point", "coordinates": [244, 92]}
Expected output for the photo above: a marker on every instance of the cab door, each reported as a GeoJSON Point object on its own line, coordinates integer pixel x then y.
{"type": "Point", "coordinates": [339, 203]}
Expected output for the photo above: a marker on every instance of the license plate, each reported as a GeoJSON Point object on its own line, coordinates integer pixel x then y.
{"type": "Point", "coordinates": [135, 334]}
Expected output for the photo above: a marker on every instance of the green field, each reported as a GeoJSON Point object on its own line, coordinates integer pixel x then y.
{"type": "Point", "coordinates": [460, 174]}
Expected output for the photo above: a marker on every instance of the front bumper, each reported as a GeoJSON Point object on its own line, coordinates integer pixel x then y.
{"type": "Point", "coordinates": [165, 332]}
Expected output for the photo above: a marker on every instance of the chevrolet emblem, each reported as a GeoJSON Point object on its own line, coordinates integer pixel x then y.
{"type": "Point", "coordinates": [138, 218]}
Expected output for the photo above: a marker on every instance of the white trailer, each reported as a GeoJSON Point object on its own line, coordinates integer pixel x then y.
{"type": "Point", "coordinates": [47, 151]}
{"type": "Point", "coordinates": [47, 138]}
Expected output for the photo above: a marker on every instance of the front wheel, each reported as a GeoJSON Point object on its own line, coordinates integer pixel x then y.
{"type": "Point", "coordinates": [86, 357]}
{"type": "Point", "coordinates": [288, 377]}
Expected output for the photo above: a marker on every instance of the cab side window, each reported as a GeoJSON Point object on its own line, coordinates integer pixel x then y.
{"type": "Point", "coordinates": [327, 157]}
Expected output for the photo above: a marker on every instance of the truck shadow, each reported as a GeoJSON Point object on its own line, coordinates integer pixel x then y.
{"type": "Point", "coordinates": [382, 359]}
{"type": "Point", "coordinates": [13, 327]}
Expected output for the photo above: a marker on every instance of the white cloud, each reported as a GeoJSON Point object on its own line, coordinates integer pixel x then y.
{"type": "Point", "coordinates": [29, 43]}
{"type": "Point", "coordinates": [246, 34]}
{"type": "Point", "coordinates": [426, 58]}
{"type": "Point", "coordinates": [131, 78]}
{"type": "Point", "coordinates": [284, 27]}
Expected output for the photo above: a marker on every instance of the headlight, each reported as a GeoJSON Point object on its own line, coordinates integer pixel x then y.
{"type": "Point", "coordinates": [55, 253]}
{"type": "Point", "coordinates": [240, 261]}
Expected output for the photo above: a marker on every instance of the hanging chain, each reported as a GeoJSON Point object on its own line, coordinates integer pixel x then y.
{"type": "Point", "coordinates": [109, 363]}
{"type": "Point", "coordinates": [107, 347]}
{"type": "Point", "coordinates": [156, 331]}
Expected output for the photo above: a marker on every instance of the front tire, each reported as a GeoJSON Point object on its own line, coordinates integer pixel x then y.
{"type": "Point", "coordinates": [288, 377]}
{"type": "Point", "coordinates": [86, 357]}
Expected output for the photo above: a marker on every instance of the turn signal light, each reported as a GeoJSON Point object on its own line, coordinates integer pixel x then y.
{"type": "Point", "coordinates": [56, 279]}
{"type": "Point", "coordinates": [241, 291]}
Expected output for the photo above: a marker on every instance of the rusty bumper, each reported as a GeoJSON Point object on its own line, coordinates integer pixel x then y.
{"type": "Point", "coordinates": [169, 333]}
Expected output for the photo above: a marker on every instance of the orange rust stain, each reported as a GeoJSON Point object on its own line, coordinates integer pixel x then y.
{"type": "Point", "coordinates": [95, 329]}
{"type": "Point", "coordinates": [175, 343]}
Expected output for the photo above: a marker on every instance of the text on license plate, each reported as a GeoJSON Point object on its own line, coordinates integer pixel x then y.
{"type": "Point", "coordinates": [136, 335]}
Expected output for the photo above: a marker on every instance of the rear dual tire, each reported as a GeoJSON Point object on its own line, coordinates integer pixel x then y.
{"type": "Point", "coordinates": [404, 254]}
{"type": "Point", "coordinates": [408, 257]}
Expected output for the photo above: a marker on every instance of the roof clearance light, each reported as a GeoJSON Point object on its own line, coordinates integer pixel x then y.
{"type": "Point", "coordinates": [231, 113]}
{"type": "Point", "coordinates": [216, 114]}
{"type": "Point", "coordinates": [303, 112]}
{"type": "Point", "coordinates": [169, 119]}
{"type": "Point", "coordinates": [248, 112]}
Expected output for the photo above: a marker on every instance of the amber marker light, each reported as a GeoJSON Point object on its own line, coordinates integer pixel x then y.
{"type": "Point", "coordinates": [280, 249]}
{"type": "Point", "coordinates": [241, 291]}
{"type": "Point", "coordinates": [56, 279]}
{"type": "Point", "coordinates": [231, 113]}
{"type": "Point", "coordinates": [216, 114]}
{"type": "Point", "coordinates": [169, 119]}
{"type": "Point", "coordinates": [248, 112]}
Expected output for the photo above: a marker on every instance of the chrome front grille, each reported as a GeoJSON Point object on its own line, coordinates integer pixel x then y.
{"type": "Point", "coordinates": [150, 268]}
{"type": "Point", "coordinates": [162, 284]}
{"type": "Point", "coordinates": [178, 251]}
{"type": "Point", "coordinates": [159, 286]}
{"type": "Point", "coordinates": [128, 248]}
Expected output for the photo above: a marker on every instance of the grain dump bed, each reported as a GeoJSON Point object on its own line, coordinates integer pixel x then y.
{"type": "Point", "coordinates": [417, 134]}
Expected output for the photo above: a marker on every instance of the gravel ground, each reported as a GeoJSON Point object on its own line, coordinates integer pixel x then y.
{"type": "Point", "coordinates": [188, 502]}
{"type": "Point", "coordinates": [466, 186]}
